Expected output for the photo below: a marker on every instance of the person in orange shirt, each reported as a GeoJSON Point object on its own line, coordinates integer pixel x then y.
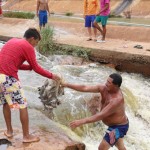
{"type": "Point", "coordinates": [91, 8]}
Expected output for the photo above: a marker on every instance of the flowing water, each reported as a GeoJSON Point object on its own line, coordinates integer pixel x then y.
{"type": "Point", "coordinates": [74, 104]}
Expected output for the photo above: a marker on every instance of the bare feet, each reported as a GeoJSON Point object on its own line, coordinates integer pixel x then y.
{"type": "Point", "coordinates": [8, 134]}
{"type": "Point", "coordinates": [30, 138]}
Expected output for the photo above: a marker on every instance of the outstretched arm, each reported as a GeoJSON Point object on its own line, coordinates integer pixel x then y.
{"type": "Point", "coordinates": [84, 88]}
{"type": "Point", "coordinates": [25, 67]}
{"type": "Point", "coordinates": [108, 110]}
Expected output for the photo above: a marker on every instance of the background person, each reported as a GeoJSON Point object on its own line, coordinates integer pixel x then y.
{"type": "Point", "coordinates": [41, 12]}
{"type": "Point", "coordinates": [91, 8]}
{"type": "Point", "coordinates": [102, 17]}
{"type": "Point", "coordinates": [1, 8]}
{"type": "Point", "coordinates": [12, 56]}
{"type": "Point", "coordinates": [112, 111]}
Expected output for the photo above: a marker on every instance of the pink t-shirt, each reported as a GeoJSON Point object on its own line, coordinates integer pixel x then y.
{"type": "Point", "coordinates": [107, 11]}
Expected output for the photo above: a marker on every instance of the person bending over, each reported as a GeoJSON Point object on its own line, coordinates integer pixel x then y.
{"type": "Point", "coordinates": [12, 56]}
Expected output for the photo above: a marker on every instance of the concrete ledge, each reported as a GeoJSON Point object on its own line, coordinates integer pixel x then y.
{"type": "Point", "coordinates": [123, 61]}
{"type": "Point", "coordinates": [5, 38]}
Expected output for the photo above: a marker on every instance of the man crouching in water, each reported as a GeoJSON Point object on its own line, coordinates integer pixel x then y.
{"type": "Point", "coordinates": [112, 111]}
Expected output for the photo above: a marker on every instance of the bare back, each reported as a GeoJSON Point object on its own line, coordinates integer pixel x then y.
{"type": "Point", "coordinates": [42, 5]}
{"type": "Point", "coordinates": [117, 115]}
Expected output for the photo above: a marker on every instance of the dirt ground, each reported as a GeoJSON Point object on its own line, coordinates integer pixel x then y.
{"type": "Point", "coordinates": [118, 38]}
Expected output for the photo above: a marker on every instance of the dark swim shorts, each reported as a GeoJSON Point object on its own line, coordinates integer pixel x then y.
{"type": "Point", "coordinates": [43, 17]}
{"type": "Point", "coordinates": [115, 132]}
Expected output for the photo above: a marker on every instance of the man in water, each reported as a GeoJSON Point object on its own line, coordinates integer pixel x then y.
{"type": "Point", "coordinates": [41, 11]}
{"type": "Point", "coordinates": [12, 56]}
{"type": "Point", "coordinates": [112, 111]}
{"type": "Point", "coordinates": [102, 17]}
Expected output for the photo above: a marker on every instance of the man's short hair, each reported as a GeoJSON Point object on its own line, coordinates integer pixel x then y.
{"type": "Point", "coordinates": [117, 79]}
{"type": "Point", "coordinates": [32, 32]}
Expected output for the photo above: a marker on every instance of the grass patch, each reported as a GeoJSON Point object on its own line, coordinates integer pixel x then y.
{"type": "Point", "coordinates": [62, 49]}
{"type": "Point", "coordinates": [69, 14]}
{"type": "Point", "coordinates": [47, 46]}
{"type": "Point", "coordinates": [24, 15]}
{"type": "Point", "coordinates": [114, 16]}
{"type": "Point", "coordinates": [47, 43]}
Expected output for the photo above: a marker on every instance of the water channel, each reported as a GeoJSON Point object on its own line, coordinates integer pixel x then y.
{"type": "Point", "coordinates": [135, 89]}
{"type": "Point", "coordinates": [74, 104]}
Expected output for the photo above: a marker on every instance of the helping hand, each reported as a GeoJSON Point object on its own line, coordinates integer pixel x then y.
{"type": "Point", "coordinates": [76, 123]}
{"type": "Point", "coordinates": [56, 77]}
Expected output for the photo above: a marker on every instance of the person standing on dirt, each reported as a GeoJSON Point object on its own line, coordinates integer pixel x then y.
{"type": "Point", "coordinates": [112, 111]}
{"type": "Point", "coordinates": [102, 17]}
{"type": "Point", "coordinates": [12, 56]}
{"type": "Point", "coordinates": [91, 8]}
{"type": "Point", "coordinates": [42, 12]}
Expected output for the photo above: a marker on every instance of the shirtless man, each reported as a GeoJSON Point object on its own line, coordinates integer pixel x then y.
{"type": "Point", "coordinates": [41, 12]}
{"type": "Point", "coordinates": [112, 111]}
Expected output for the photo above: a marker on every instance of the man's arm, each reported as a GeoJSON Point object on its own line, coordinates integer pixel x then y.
{"type": "Point", "coordinates": [84, 7]}
{"type": "Point", "coordinates": [37, 7]}
{"type": "Point", "coordinates": [47, 8]}
{"type": "Point", "coordinates": [97, 7]}
{"type": "Point", "coordinates": [25, 67]}
{"type": "Point", "coordinates": [106, 7]}
{"type": "Point", "coordinates": [108, 110]}
{"type": "Point", "coordinates": [84, 88]}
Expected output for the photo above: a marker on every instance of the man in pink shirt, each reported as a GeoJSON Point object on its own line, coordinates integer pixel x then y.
{"type": "Point", "coordinates": [12, 56]}
{"type": "Point", "coordinates": [102, 17]}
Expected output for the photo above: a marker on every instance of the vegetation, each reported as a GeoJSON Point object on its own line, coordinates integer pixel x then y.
{"type": "Point", "coordinates": [48, 46]}
{"type": "Point", "coordinates": [112, 15]}
{"type": "Point", "coordinates": [24, 15]}
{"type": "Point", "coordinates": [69, 14]}
{"type": "Point", "coordinates": [47, 43]}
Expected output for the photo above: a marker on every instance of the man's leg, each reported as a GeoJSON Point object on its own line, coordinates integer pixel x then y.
{"type": "Point", "coordinates": [7, 117]}
{"type": "Point", "coordinates": [104, 32]}
{"type": "Point", "coordinates": [25, 127]}
{"type": "Point", "coordinates": [103, 145]}
{"type": "Point", "coordinates": [98, 27]}
{"type": "Point", "coordinates": [95, 33]}
{"type": "Point", "coordinates": [90, 33]}
{"type": "Point", "coordinates": [120, 144]}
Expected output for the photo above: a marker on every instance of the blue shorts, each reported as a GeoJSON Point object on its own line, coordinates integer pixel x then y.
{"type": "Point", "coordinates": [102, 19]}
{"type": "Point", "coordinates": [89, 20]}
{"type": "Point", "coordinates": [115, 132]}
{"type": "Point", "coordinates": [42, 17]}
